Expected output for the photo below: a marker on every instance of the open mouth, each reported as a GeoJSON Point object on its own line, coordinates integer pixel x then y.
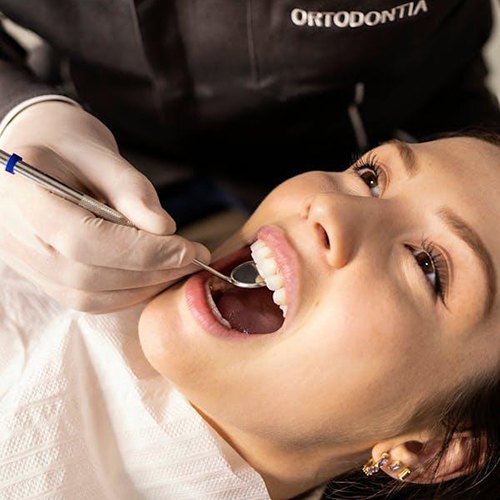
{"type": "Point", "coordinates": [249, 311]}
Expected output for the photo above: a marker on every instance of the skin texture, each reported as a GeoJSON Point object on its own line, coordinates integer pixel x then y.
{"type": "Point", "coordinates": [368, 341]}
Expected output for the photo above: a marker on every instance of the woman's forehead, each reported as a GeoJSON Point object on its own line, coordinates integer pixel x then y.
{"type": "Point", "coordinates": [465, 173]}
{"type": "Point", "coordinates": [465, 155]}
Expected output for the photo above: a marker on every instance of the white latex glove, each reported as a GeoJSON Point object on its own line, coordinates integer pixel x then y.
{"type": "Point", "coordinates": [82, 261]}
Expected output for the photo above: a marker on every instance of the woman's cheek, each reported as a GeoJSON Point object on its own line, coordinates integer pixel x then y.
{"type": "Point", "coordinates": [353, 324]}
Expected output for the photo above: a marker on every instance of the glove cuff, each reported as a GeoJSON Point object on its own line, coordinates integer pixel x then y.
{"type": "Point", "coordinates": [16, 110]}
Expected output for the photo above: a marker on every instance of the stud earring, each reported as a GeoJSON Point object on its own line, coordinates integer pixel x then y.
{"type": "Point", "coordinates": [394, 466]}
{"type": "Point", "coordinates": [383, 460]}
{"type": "Point", "coordinates": [397, 465]}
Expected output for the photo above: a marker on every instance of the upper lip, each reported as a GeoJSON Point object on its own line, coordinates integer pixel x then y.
{"type": "Point", "coordinates": [287, 261]}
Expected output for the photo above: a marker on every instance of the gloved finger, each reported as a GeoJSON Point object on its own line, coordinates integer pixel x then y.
{"type": "Point", "coordinates": [127, 190]}
{"type": "Point", "coordinates": [92, 302]}
{"type": "Point", "coordinates": [46, 160]}
{"type": "Point", "coordinates": [80, 236]}
{"type": "Point", "coordinates": [72, 274]}
{"type": "Point", "coordinates": [23, 198]}
{"type": "Point", "coordinates": [115, 181]}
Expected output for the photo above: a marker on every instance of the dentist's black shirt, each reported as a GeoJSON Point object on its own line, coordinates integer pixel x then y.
{"type": "Point", "coordinates": [286, 85]}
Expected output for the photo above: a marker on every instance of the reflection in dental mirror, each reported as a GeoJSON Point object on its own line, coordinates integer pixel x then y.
{"type": "Point", "coordinates": [247, 274]}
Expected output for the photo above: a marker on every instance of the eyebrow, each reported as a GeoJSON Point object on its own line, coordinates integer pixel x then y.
{"type": "Point", "coordinates": [460, 228]}
{"type": "Point", "coordinates": [408, 156]}
{"type": "Point", "coordinates": [456, 225]}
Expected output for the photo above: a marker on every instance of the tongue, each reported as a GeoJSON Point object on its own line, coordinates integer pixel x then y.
{"type": "Point", "coordinates": [250, 311]}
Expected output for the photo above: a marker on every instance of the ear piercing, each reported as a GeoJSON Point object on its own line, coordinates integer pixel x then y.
{"type": "Point", "coordinates": [404, 473]}
{"type": "Point", "coordinates": [372, 467]}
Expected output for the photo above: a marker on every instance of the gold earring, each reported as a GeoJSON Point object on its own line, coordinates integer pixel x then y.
{"type": "Point", "coordinates": [372, 467]}
{"type": "Point", "coordinates": [394, 466]}
{"type": "Point", "coordinates": [384, 459]}
{"type": "Point", "coordinates": [404, 473]}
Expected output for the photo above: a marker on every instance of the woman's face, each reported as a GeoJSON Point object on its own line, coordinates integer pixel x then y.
{"type": "Point", "coordinates": [389, 282]}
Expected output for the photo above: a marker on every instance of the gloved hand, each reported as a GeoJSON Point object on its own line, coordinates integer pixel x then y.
{"type": "Point", "coordinates": [82, 261]}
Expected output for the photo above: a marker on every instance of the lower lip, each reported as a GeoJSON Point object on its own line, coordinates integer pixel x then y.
{"type": "Point", "coordinates": [197, 301]}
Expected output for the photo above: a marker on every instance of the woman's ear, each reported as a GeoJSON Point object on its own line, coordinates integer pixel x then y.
{"type": "Point", "coordinates": [419, 451]}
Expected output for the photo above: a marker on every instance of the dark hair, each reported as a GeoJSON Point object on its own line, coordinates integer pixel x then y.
{"type": "Point", "coordinates": [475, 408]}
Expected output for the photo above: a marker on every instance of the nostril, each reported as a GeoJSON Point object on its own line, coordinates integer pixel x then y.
{"type": "Point", "coordinates": [323, 235]}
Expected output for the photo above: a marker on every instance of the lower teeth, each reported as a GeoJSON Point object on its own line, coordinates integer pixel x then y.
{"type": "Point", "coordinates": [213, 307]}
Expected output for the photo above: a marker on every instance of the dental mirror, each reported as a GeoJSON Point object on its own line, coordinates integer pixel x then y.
{"type": "Point", "coordinates": [244, 275]}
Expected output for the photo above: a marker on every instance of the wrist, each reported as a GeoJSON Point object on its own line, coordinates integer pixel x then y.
{"type": "Point", "coordinates": [18, 110]}
{"type": "Point", "coordinates": [57, 124]}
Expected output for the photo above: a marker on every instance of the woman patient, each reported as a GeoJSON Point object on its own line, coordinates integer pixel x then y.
{"type": "Point", "coordinates": [379, 350]}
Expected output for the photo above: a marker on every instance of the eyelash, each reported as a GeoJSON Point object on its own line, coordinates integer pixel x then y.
{"type": "Point", "coordinates": [439, 265]}
{"type": "Point", "coordinates": [370, 162]}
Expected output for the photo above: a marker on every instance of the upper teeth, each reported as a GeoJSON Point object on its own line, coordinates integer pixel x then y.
{"type": "Point", "coordinates": [268, 269]}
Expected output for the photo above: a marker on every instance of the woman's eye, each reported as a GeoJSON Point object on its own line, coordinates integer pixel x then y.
{"type": "Point", "coordinates": [368, 169]}
{"type": "Point", "coordinates": [371, 178]}
{"type": "Point", "coordinates": [426, 263]}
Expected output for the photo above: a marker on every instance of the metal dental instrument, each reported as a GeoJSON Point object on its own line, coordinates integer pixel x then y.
{"type": "Point", "coordinates": [244, 275]}
{"type": "Point", "coordinates": [14, 165]}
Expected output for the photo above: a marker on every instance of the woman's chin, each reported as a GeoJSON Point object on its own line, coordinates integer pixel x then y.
{"type": "Point", "coordinates": [159, 325]}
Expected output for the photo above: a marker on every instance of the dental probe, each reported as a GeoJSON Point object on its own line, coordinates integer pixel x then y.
{"type": "Point", "coordinates": [244, 276]}
{"type": "Point", "coordinates": [14, 164]}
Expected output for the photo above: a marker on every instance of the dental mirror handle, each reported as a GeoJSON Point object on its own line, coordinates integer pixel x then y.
{"type": "Point", "coordinates": [213, 271]}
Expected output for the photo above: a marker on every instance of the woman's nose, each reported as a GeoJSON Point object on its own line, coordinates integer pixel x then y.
{"type": "Point", "coordinates": [337, 222]}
